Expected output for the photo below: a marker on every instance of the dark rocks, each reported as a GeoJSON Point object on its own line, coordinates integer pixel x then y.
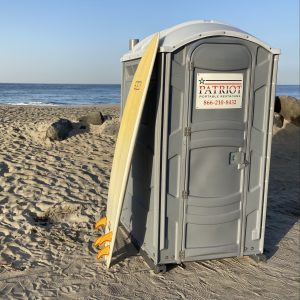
{"type": "Point", "coordinates": [111, 128]}
{"type": "Point", "coordinates": [93, 118]}
{"type": "Point", "coordinates": [107, 117]}
{"type": "Point", "coordinates": [289, 108]}
{"type": "Point", "coordinates": [277, 105]}
{"type": "Point", "coordinates": [59, 130]}
{"type": "Point", "coordinates": [3, 168]}
{"type": "Point", "coordinates": [278, 120]}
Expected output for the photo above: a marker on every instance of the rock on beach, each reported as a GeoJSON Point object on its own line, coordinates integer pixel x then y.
{"type": "Point", "coordinates": [289, 108]}
{"type": "Point", "coordinates": [59, 130]}
{"type": "Point", "coordinates": [93, 118]}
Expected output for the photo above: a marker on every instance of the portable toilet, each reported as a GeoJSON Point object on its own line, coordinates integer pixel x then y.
{"type": "Point", "coordinates": [198, 184]}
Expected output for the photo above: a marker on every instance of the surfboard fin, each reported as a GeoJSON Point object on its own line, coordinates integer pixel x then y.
{"type": "Point", "coordinates": [102, 239]}
{"type": "Point", "coordinates": [101, 222]}
{"type": "Point", "coordinates": [103, 252]}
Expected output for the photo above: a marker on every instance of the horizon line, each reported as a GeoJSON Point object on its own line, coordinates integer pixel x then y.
{"type": "Point", "coordinates": [58, 83]}
{"type": "Point", "coordinates": [63, 83]}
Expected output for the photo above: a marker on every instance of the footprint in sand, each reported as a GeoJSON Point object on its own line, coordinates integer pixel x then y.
{"type": "Point", "coordinates": [61, 213]}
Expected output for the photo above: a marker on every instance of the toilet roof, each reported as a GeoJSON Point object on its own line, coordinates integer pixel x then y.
{"type": "Point", "coordinates": [173, 38]}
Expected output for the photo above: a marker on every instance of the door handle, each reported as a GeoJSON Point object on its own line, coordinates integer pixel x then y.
{"type": "Point", "coordinates": [238, 159]}
{"type": "Point", "coordinates": [243, 164]}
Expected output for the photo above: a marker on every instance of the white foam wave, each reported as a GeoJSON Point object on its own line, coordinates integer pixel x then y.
{"type": "Point", "coordinates": [36, 103]}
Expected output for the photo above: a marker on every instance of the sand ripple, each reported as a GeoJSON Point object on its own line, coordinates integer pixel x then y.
{"type": "Point", "coordinates": [52, 193]}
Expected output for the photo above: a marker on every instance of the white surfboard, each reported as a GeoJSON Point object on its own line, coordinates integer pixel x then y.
{"type": "Point", "coordinates": [124, 150]}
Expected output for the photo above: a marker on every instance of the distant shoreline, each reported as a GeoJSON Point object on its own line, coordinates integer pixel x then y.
{"type": "Point", "coordinates": [40, 83]}
{"type": "Point", "coordinates": [47, 83]}
{"type": "Point", "coordinates": [60, 105]}
{"type": "Point", "coordinates": [80, 106]}
{"type": "Point", "coordinates": [53, 95]}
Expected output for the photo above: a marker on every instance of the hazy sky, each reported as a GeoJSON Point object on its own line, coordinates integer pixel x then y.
{"type": "Point", "coordinates": [81, 41]}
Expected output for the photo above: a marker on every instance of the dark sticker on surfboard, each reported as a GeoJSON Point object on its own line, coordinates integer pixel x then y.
{"type": "Point", "coordinates": [137, 85]}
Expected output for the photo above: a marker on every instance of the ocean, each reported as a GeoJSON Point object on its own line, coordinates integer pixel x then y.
{"type": "Point", "coordinates": [81, 94]}
{"type": "Point", "coordinates": [288, 90]}
{"type": "Point", "coordinates": [59, 94]}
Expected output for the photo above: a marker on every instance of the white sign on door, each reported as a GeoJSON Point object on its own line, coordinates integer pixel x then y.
{"type": "Point", "coordinates": [219, 90]}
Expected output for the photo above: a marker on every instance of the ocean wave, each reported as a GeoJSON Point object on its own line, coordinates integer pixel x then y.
{"type": "Point", "coordinates": [36, 103]}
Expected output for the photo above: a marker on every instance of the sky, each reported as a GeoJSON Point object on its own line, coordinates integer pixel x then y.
{"type": "Point", "coordinates": [81, 41]}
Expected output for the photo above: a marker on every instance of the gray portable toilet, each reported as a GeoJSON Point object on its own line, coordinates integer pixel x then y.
{"type": "Point", "coordinates": [199, 177]}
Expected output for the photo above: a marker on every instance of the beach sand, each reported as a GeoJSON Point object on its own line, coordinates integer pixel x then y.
{"type": "Point", "coordinates": [51, 194]}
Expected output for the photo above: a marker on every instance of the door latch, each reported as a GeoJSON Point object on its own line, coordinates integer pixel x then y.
{"type": "Point", "coordinates": [238, 159]}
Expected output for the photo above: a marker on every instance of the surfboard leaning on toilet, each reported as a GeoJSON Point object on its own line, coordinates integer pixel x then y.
{"type": "Point", "coordinates": [124, 151]}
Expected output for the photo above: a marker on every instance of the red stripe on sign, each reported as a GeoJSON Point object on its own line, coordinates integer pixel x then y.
{"type": "Point", "coordinates": [218, 84]}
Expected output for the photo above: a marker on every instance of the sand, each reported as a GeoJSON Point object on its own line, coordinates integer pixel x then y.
{"type": "Point", "coordinates": [51, 194]}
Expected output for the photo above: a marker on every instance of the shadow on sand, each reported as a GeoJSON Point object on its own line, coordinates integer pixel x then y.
{"type": "Point", "coordinates": [283, 201]}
